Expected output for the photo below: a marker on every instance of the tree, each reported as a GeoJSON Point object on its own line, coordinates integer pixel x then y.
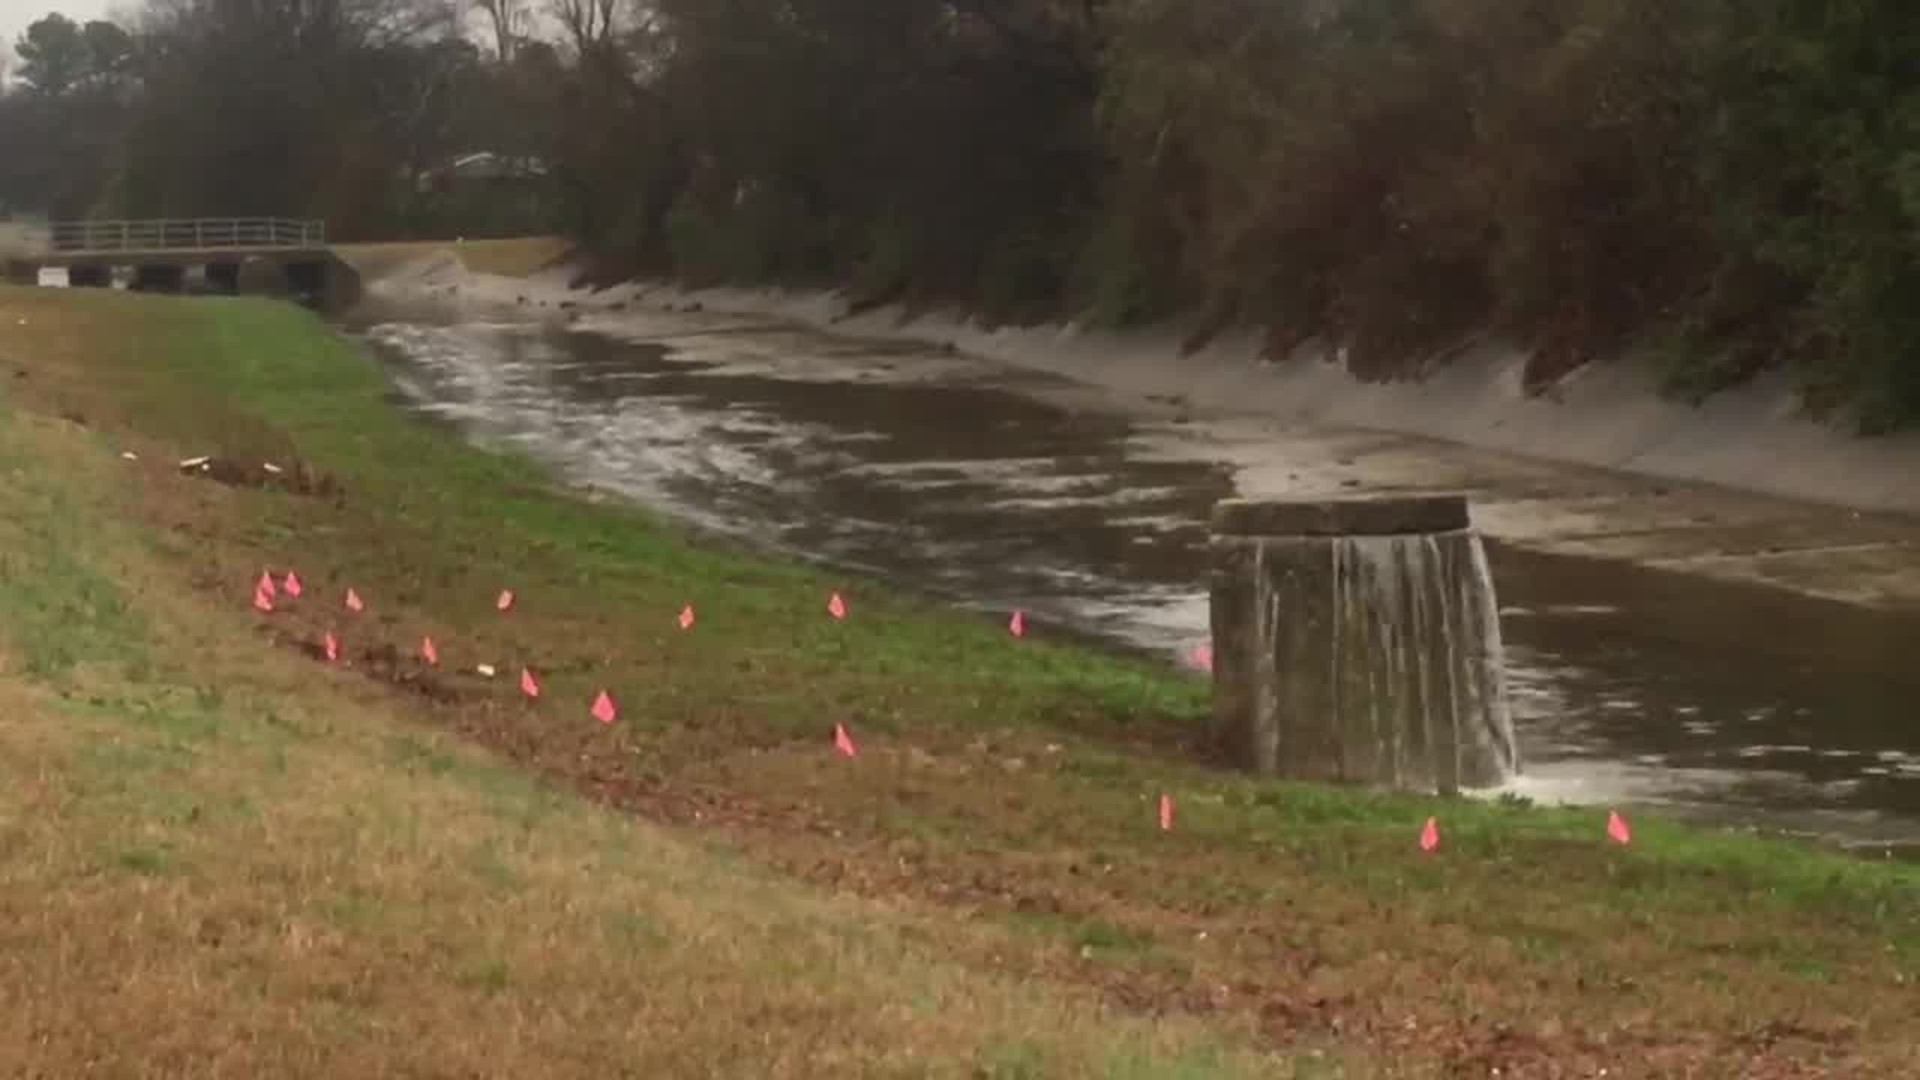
{"type": "Point", "coordinates": [589, 24]}
{"type": "Point", "coordinates": [1811, 155]}
{"type": "Point", "coordinates": [64, 126]}
{"type": "Point", "coordinates": [109, 50]}
{"type": "Point", "coordinates": [283, 107]}
{"type": "Point", "coordinates": [53, 54]}
{"type": "Point", "coordinates": [507, 19]}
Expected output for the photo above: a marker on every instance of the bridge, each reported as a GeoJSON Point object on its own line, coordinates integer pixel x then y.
{"type": "Point", "coordinates": [268, 256]}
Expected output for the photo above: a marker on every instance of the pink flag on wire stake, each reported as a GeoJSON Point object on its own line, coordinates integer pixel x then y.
{"type": "Point", "coordinates": [836, 607]}
{"type": "Point", "coordinates": [428, 653]}
{"type": "Point", "coordinates": [527, 684]}
{"type": "Point", "coordinates": [291, 586]}
{"type": "Point", "coordinates": [686, 617]}
{"type": "Point", "coordinates": [1017, 626]}
{"type": "Point", "coordinates": [353, 601]}
{"type": "Point", "coordinates": [1617, 830]}
{"type": "Point", "coordinates": [1430, 835]}
{"type": "Point", "coordinates": [603, 709]}
{"type": "Point", "coordinates": [843, 742]}
{"type": "Point", "coordinates": [262, 599]}
{"type": "Point", "coordinates": [332, 646]}
{"type": "Point", "coordinates": [505, 602]}
{"type": "Point", "coordinates": [1202, 657]}
{"type": "Point", "coordinates": [1166, 812]}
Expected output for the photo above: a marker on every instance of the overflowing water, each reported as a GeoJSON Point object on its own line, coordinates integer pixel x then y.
{"type": "Point", "coordinates": [1005, 490]}
{"type": "Point", "coordinates": [1369, 659]}
{"type": "Point", "coordinates": [1433, 661]}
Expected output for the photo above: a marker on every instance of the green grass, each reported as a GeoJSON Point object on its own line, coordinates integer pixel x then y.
{"type": "Point", "coordinates": [290, 876]}
{"type": "Point", "coordinates": [1002, 804]}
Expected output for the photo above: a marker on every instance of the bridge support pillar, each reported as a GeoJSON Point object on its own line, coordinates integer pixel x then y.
{"type": "Point", "coordinates": [90, 276]}
{"type": "Point", "coordinates": [325, 283]}
{"type": "Point", "coordinates": [223, 277]}
{"type": "Point", "coordinates": [159, 277]}
{"type": "Point", "coordinates": [262, 276]}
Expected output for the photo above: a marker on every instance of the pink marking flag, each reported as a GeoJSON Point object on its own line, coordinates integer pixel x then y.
{"type": "Point", "coordinates": [353, 601]}
{"type": "Point", "coordinates": [428, 653]}
{"type": "Point", "coordinates": [505, 602]}
{"type": "Point", "coordinates": [263, 597]}
{"type": "Point", "coordinates": [1017, 626]}
{"type": "Point", "coordinates": [603, 709]}
{"type": "Point", "coordinates": [291, 586]}
{"type": "Point", "coordinates": [332, 646]}
{"type": "Point", "coordinates": [836, 607]}
{"type": "Point", "coordinates": [1166, 812]}
{"type": "Point", "coordinates": [527, 685]}
{"type": "Point", "coordinates": [1617, 830]}
{"type": "Point", "coordinates": [1203, 657]}
{"type": "Point", "coordinates": [1430, 835]}
{"type": "Point", "coordinates": [843, 742]}
{"type": "Point", "coordinates": [686, 617]}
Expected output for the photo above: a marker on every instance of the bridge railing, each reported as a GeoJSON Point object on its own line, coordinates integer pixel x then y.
{"type": "Point", "coordinates": [188, 234]}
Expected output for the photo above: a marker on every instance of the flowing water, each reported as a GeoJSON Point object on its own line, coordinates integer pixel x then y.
{"type": "Point", "coordinates": [1005, 490]}
{"type": "Point", "coordinates": [1431, 654]}
{"type": "Point", "coordinates": [1372, 659]}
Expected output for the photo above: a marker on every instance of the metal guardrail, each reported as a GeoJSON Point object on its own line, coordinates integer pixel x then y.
{"type": "Point", "coordinates": [197, 234]}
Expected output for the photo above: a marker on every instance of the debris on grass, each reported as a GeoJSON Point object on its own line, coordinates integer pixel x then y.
{"type": "Point", "coordinates": [299, 478]}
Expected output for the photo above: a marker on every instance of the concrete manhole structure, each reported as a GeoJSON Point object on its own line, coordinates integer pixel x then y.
{"type": "Point", "coordinates": [1358, 641]}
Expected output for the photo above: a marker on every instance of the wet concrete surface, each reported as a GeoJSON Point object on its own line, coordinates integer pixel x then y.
{"type": "Point", "coordinates": [1662, 648]}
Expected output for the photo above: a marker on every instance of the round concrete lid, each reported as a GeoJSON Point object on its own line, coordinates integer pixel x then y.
{"type": "Point", "coordinates": [1388, 515]}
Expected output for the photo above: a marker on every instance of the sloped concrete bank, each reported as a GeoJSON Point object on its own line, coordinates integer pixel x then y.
{"type": "Point", "coordinates": [1607, 415]}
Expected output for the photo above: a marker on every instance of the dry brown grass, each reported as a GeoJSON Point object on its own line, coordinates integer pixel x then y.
{"type": "Point", "coordinates": [516, 257]}
{"type": "Point", "coordinates": [348, 898]}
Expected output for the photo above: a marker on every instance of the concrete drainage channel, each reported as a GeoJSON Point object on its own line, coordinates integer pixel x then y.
{"type": "Point", "coordinates": [1628, 684]}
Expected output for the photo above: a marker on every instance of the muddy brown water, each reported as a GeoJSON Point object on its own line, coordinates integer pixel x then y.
{"type": "Point", "coordinates": [1631, 686]}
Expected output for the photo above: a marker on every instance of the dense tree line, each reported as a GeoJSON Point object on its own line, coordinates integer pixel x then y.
{"type": "Point", "coordinates": [330, 109]}
{"type": "Point", "coordinates": [1736, 182]}
{"type": "Point", "coordinates": [61, 131]}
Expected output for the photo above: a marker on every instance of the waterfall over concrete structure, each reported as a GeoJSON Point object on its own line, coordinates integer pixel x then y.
{"type": "Point", "coordinates": [1358, 641]}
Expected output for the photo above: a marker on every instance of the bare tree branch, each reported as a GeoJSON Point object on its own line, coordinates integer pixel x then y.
{"type": "Point", "coordinates": [508, 21]}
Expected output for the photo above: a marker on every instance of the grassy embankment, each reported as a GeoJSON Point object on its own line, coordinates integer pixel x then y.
{"type": "Point", "coordinates": [218, 852]}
